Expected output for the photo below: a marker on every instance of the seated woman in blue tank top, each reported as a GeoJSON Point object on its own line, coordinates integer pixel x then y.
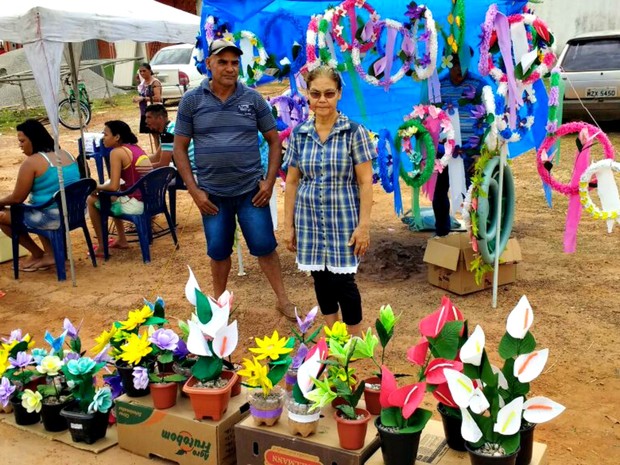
{"type": "Point", "coordinates": [37, 177]}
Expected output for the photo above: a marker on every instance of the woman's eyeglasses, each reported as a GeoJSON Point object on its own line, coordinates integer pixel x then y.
{"type": "Point", "coordinates": [328, 94]}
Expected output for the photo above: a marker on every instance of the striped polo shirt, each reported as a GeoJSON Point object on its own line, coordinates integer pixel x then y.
{"type": "Point", "coordinates": [225, 137]}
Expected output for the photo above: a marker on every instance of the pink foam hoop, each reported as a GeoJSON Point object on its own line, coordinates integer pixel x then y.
{"type": "Point", "coordinates": [341, 12]}
{"type": "Point", "coordinates": [569, 128]}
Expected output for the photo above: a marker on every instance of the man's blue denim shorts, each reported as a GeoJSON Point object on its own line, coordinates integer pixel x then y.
{"type": "Point", "coordinates": [255, 223]}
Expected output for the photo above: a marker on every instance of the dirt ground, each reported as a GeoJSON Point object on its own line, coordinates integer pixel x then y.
{"type": "Point", "coordinates": [573, 296]}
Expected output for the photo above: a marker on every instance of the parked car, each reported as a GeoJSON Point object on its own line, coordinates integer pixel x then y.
{"type": "Point", "coordinates": [175, 68]}
{"type": "Point", "coordinates": [590, 66]}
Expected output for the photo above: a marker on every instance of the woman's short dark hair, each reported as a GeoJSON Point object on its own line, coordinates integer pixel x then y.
{"type": "Point", "coordinates": [147, 66]}
{"type": "Point", "coordinates": [122, 130]}
{"type": "Point", "coordinates": [324, 71]}
{"type": "Point", "coordinates": [37, 134]}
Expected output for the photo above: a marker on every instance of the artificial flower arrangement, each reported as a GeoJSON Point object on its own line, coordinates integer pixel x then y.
{"type": "Point", "coordinates": [17, 368]}
{"type": "Point", "coordinates": [304, 340]}
{"type": "Point", "coordinates": [492, 401]}
{"type": "Point", "coordinates": [263, 372]}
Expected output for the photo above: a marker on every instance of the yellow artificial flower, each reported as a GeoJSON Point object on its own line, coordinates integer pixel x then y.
{"type": "Point", "coordinates": [31, 401]}
{"type": "Point", "coordinates": [136, 318]}
{"type": "Point", "coordinates": [255, 375]}
{"type": "Point", "coordinates": [338, 332]}
{"type": "Point", "coordinates": [454, 47]}
{"type": "Point", "coordinates": [4, 361]}
{"type": "Point", "coordinates": [136, 348]}
{"type": "Point", "coordinates": [103, 339]}
{"type": "Point", "coordinates": [457, 20]}
{"type": "Point", "coordinates": [253, 41]}
{"type": "Point", "coordinates": [450, 18]}
{"type": "Point", "coordinates": [271, 347]}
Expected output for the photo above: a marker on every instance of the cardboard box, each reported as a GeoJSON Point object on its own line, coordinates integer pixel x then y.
{"type": "Point", "coordinates": [448, 260]}
{"type": "Point", "coordinates": [6, 250]}
{"type": "Point", "coordinates": [434, 450]}
{"type": "Point", "coordinates": [274, 445]}
{"type": "Point", "coordinates": [175, 435]}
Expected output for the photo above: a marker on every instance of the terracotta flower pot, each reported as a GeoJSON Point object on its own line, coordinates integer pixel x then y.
{"type": "Point", "coordinates": [339, 400]}
{"type": "Point", "coordinates": [451, 429]}
{"type": "Point", "coordinates": [236, 389]}
{"type": "Point", "coordinates": [164, 395]}
{"type": "Point", "coordinates": [352, 433]}
{"type": "Point", "coordinates": [210, 402]}
{"type": "Point", "coordinates": [477, 458]}
{"type": "Point", "coordinates": [371, 396]}
{"type": "Point", "coordinates": [266, 410]}
{"type": "Point", "coordinates": [301, 420]}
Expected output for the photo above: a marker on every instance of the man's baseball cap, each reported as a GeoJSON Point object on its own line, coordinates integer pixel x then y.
{"type": "Point", "coordinates": [219, 45]}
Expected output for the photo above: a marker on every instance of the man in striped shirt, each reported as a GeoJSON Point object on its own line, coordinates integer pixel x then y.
{"type": "Point", "coordinates": [223, 118]}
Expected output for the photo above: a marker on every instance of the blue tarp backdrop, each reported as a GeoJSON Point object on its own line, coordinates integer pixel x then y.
{"type": "Point", "coordinates": [279, 24]}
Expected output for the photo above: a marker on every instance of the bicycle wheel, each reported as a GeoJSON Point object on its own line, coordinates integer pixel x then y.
{"type": "Point", "coordinates": [68, 115]}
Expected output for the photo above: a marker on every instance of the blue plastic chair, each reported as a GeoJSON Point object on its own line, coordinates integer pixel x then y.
{"type": "Point", "coordinates": [101, 154]}
{"type": "Point", "coordinates": [176, 185]}
{"type": "Point", "coordinates": [76, 194]}
{"type": "Point", "coordinates": [153, 187]}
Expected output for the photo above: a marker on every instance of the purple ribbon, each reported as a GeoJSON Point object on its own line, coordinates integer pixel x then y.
{"type": "Point", "coordinates": [290, 379]}
{"type": "Point", "coordinates": [505, 46]}
{"type": "Point", "coordinates": [389, 55]}
{"type": "Point", "coordinates": [434, 88]}
{"type": "Point", "coordinates": [265, 413]}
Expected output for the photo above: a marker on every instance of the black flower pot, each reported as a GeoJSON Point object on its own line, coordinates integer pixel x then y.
{"type": "Point", "coordinates": [397, 448]}
{"type": "Point", "coordinates": [22, 417]}
{"type": "Point", "coordinates": [126, 374]}
{"type": "Point", "coordinates": [476, 458]}
{"type": "Point", "coordinates": [86, 427]}
{"type": "Point", "coordinates": [524, 457]}
{"type": "Point", "coordinates": [52, 419]}
{"type": "Point", "coordinates": [451, 429]}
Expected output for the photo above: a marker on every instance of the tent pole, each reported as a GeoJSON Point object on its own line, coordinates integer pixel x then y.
{"type": "Point", "coordinates": [74, 79]}
{"type": "Point", "coordinates": [503, 157]}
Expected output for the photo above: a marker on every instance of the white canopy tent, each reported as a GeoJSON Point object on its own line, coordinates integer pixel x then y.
{"type": "Point", "coordinates": [45, 26]}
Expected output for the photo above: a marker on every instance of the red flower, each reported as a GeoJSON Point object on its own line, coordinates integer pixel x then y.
{"type": "Point", "coordinates": [442, 394]}
{"type": "Point", "coordinates": [431, 325]}
{"type": "Point", "coordinates": [417, 353]}
{"type": "Point", "coordinates": [388, 385]}
{"type": "Point", "coordinates": [434, 370]}
{"type": "Point", "coordinates": [493, 39]}
{"type": "Point", "coordinates": [541, 29]}
{"type": "Point", "coordinates": [408, 398]}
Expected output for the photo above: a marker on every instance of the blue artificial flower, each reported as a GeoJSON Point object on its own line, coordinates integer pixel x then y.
{"type": "Point", "coordinates": [55, 343]}
{"type": "Point", "coordinates": [38, 354]}
{"type": "Point", "coordinates": [115, 384]}
{"type": "Point", "coordinates": [450, 107]}
{"type": "Point", "coordinates": [102, 401]}
{"type": "Point", "coordinates": [81, 367]}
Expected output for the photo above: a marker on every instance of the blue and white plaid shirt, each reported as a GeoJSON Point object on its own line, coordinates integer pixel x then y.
{"type": "Point", "coordinates": [327, 204]}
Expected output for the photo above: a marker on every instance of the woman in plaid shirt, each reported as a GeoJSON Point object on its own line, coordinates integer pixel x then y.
{"type": "Point", "coordinates": [328, 199]}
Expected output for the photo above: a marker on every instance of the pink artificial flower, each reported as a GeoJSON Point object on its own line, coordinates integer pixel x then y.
{"type": "Point", "coordinates": [388, 385]}
{"type": "Point", "coordinates": [417, 353]}
{"type": "Point", "coordinates": [443, 395]}
{"type": "Point", "coordinates": [419, 111]}
{"type": "Point", "coordinates": [541, 29]}
{"type": "Point", "coordinates": [434, 370]}
{"type": "Point", "coordinates": [474, 244]}
{"type": "Point", "coordinates": [407, 145]}
{"type": "Point", "coordinates": [431, 325]}
{"type": "Point", "coordinates": [408, 398]}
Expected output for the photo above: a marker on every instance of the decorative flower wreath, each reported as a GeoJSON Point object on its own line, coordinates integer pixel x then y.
{"type": "Point", "coordinates": [584, 192]}
{"type": "Point", "coordinates": [296, 107]}
{"type": "Point", "coordinates": [569, 128]}
{"type": "Point", "coordinates": [425, 66]}
{"type": "Point", "coordinates": [546, 57]}
{"type": "Point", "coordinates": [318, 31]}
{"type": "Point", "coordinates": [386, 82]}
{"type": "Point", "coordinates": [409, 129]}
{"type": "Point", "coordinates": [426, 113]}
{"type": "Point", "coordinates": [255, 72]}
{"type": "Point", "coordinates": [524, 123]}
{"type": "Point", "coordinates": [276, 20]}
{"type": "Point", "coordinates": [343, 10]}
{"type": "Point", "coordinates": [554, 101]}
{"type": "Point", "coordinates": [388, 161]}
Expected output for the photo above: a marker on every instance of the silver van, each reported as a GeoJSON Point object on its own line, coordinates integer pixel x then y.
{"type": "Point", "coordinates": [590, 66]}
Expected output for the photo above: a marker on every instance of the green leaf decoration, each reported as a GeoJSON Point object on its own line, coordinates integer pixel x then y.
{"type": "Point", "coordinates": [46, 390]}
{"type": "Point", "coordinates": [390, 416]}
{"type": "Point", "coordinates": [446, 344]}
{"type": "Point", "coordinates": [510, 347]}
{"type": "Point", "coordinates": [486, 372]}
{"type": "Point", "coordinates": [510, 443]}
{"type": "Point", "coordinates": [417, 421]}
{"type": "Point", "coordinates": [313, 335]}
{"type": "Point", "coordinates": [515, 387]}
{"type": "Point", "coordinates": [203, 308]}
{"type": "Point", "coordinates": [298, 395]}
{"type": "Point", "coordinates": [19, 347]}
{"type": "Point", "coordinates": [166, 357]}
{"type": "Point", "coordinates": [277, 372]}
{"type": "Point", "coordinates": [357, 395]}
{"type": "Point", "coordinates": [207, 368]}
{"type": "Point", "coordinates": [76, 345]}
{"type": "Point", "coordinates": [348, 411]}
{"type": "Point", "coordinates": [158, 310]}
{"type": "Point", "coordinates": [174, 378]}
{"type": "Point", "coordinates": [384, 337]}
{"type": "Point", "coordinates": [154, 321]}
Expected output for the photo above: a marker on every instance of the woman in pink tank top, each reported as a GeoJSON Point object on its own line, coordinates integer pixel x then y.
{"type": "Point", "coordinates": [128, 163]}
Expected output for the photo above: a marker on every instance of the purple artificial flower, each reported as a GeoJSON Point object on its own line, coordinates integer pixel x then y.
{"type": "Point", "coordinates": [16, 335]}
{"type": "Point", "coordinates": [165, 339]}
{"type": "Point", "coordinates": [552, 127]}
{"type": "Point", "coordinates": [21, 360]}
{"type": "Point", "coordinates": [71, 356]}
{"type": "Point", "coordinates": [469, 92]}
{"type": "Point", "coordinates": [425, 60]}
{"type": "Point", "coordinates": [414, 11]}
{"type": "Point", "coordinates": [299, 356]}
{"type": "Point", "coordinates": [554, 95]}
{"type": "Point", "coordinates": [181, 351]}
{"type": "Point", "coordinates": [140, 378]}
{"type": "Point", "coordinates": [307, 322]}
{"type": "Point", "coordinates": [473, 141]}
{"type": "Point", "coordinates": [478, 111]}
{"type": "Point", "coordinates": [6, 391]}
{"type": "Point", "coordinates": [72, 332]}
{"type": "Point", "coordinates": [103, 356]}
{"type": "Point", "coordinates": [425, 36]}
{"type": "Point", "coordinates": [114, 382]}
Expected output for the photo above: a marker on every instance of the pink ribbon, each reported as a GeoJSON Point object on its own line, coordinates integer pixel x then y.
{"type": "Point", "coordinates": [573, 215]}
{"type": "Point", "coordinates": [505, 45]}
{"type": "Point", "coordinates": [353, 21]}
{"type": "Point", "coordinates": [389, 54]}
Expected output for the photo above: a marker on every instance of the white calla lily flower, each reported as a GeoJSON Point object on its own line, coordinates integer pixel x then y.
{"type": "Point", "coordinates": [469, 429]}
{"type": "Point", "coordinates": [219, 319]}
{"type": "Point", "coordinates": [471, 352]}
{"type": "Point", "coordinates": [502, 381]}
{"type": "Point", "coordinates": [225, 340]}
{"type": "Point", "coordinates": [461, 387]}
{"type": "Point", "coordinates": [190, 287]}
{"type": "Point", "coordinates": [529, 366]}
{"type": "Point", "coordinates": [196, 342]}
{"type": "Point", "coordinates": [478, 402]}
{"type": "Point", "coordinates": [307, 372]}
{"type": "Point", "coordinates": [520, 319]}
{"type": "Point", "coordinates": [540, 409]}
{"type": "Point", "coordinates": [509, 418]}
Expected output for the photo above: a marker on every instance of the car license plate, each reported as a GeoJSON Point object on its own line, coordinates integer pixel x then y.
{"type": "Point", "coordinates": [601, 92]}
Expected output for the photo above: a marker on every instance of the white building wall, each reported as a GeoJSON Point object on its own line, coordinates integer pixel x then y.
{"type": "Point", "coordinates": [568, 18]}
